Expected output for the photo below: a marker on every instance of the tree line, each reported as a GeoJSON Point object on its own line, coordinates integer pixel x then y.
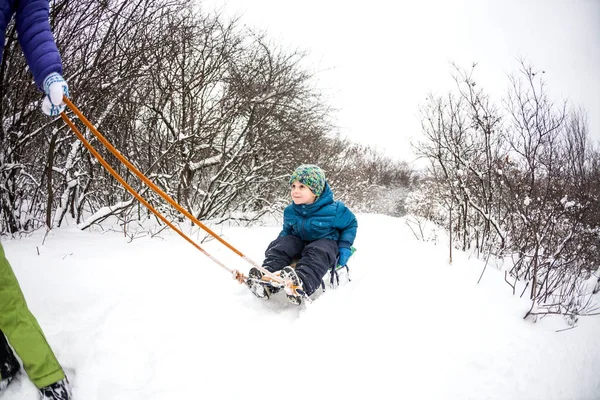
{"type": "Point", "coordinates": [516, 180]}
{"type": "Point", "coordinates": [212, 112]}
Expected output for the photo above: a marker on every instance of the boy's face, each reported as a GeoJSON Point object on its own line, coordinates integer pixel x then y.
{"type": "Point", "coordinates": [301, 194]}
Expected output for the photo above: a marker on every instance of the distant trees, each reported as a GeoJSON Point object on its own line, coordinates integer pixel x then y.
{"type": "Point", "coordinates": [370, 181]}
{"type": "Point", "coordinates": [214, 114]}
{"type": "Point", "coordinates": [518, 181]}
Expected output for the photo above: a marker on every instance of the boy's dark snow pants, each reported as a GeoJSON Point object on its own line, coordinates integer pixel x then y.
{"type": "Point", "coordinates": [23, 331]}
{"type": "Point", "coordinates": [314, 258]}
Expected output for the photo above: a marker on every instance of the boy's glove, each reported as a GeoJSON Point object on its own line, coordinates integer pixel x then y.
{"type": "Point", "coordinates": [345, 254]}
{"type": "Point", "coordinates": [55, 87]}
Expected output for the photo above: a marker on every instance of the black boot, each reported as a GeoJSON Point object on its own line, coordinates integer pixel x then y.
{"type": "Point", "coordinates": [60, 390]}
{"type": "Point", "coordinates": [9, 365]}
{"type": "Point", "coordinates": [288, 274]}
{"type": "Point", "coordinates": [258, 289]}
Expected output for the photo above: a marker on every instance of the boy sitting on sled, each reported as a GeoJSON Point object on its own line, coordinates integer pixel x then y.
{"type": "Point", "coordinates": [316, 230]}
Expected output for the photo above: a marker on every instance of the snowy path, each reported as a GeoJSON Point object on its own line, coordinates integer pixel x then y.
{"type": "Point", "coordinates": [154, 319]}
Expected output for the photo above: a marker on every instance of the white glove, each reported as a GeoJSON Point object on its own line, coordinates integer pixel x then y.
{"type": "Point", "coordinates": [54, 87]}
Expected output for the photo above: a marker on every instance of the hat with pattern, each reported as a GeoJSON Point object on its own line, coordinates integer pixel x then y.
{"type": "Point", "coordinates": [311, 176]}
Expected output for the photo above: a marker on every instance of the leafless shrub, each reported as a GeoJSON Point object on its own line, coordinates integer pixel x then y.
{"type": "Point", "coordinates": [519, 182]}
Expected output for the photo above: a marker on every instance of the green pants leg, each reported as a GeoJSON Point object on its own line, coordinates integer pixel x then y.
{"type": "Point", "coordinates": [23, 331]}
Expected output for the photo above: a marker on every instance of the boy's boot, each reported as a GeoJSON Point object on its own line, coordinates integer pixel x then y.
{"type": "Point", "coordinates": [60, 390]}
{"type": "Point", "coordinates": [9, 366]}
{"type": "Point", "coordinates": [259, 290]}
{"type": "Point", "coordinates": [290, 277]}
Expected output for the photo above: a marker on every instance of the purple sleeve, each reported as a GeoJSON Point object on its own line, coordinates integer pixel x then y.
{"type": "Point", "coordinates": [36, 39]}
{"type": "Point", "coordinates": [6, 13]}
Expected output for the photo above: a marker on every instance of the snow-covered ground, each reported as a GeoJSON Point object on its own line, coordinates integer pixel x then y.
{"type": "Point", "coordinates": [154, 318]}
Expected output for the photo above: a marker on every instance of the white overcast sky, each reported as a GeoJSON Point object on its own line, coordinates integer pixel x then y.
{"type": "Point", "coordinates": [379, 59]}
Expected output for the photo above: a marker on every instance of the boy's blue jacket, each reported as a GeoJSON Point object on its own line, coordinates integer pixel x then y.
{"type": "Point", "coordinates": [323, 219]}
{"type": "Point", "coordinates": [35, 36]}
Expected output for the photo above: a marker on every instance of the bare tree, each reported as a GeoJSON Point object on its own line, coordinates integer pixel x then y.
{"type": "Point", "coordinates": [464, 146]}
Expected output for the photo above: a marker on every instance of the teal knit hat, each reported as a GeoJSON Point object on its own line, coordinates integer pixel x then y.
{"type": "Point", "coordinates": [311, 176]}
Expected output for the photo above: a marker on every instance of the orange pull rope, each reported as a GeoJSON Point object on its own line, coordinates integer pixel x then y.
{"type": "Point", "coordinates": [133, 192]}
{"type": "Point", "coordinates": [237, 275]}
{"type": "Point", "coordinates": [147, 181]}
